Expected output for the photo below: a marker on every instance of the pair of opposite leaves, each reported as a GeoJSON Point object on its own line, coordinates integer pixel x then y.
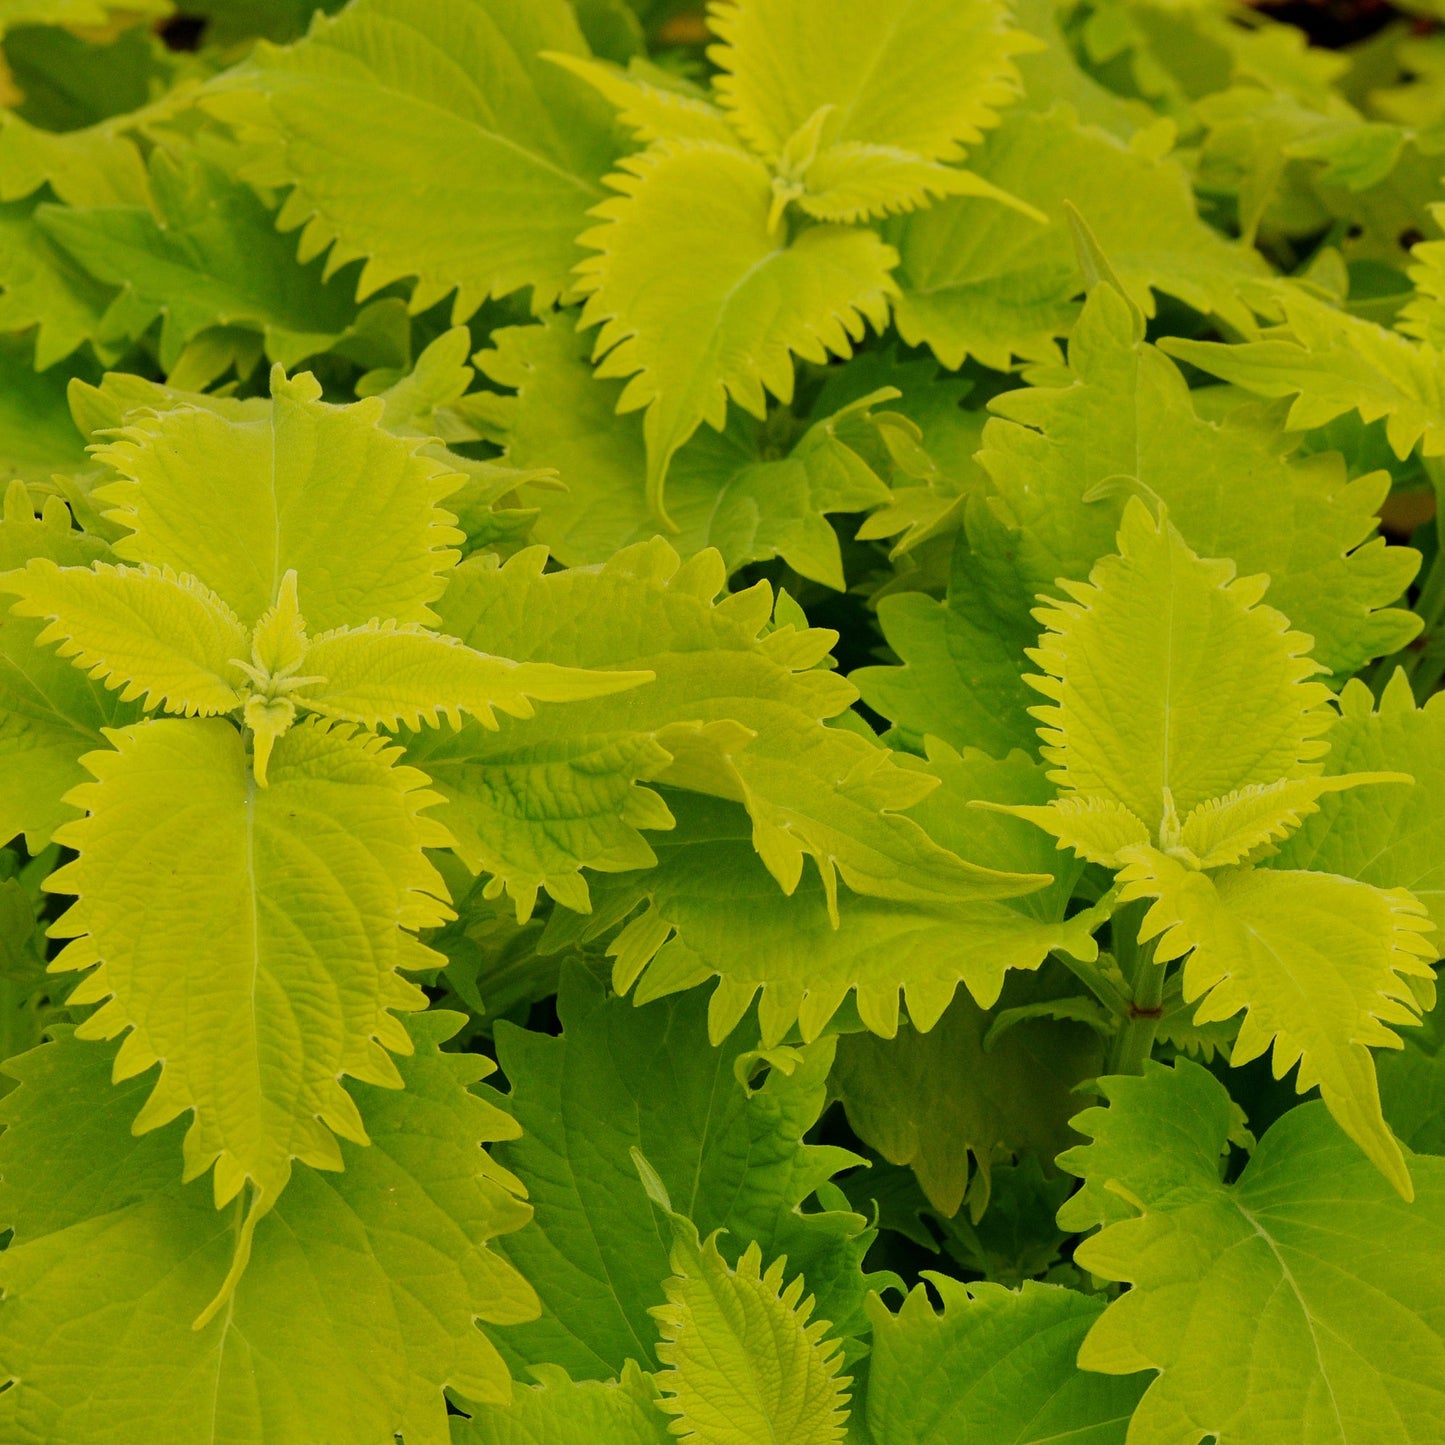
{"type": "Point", "coordinates": [1098, 640]}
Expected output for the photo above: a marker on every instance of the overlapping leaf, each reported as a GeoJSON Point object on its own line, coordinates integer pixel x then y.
{"type": "Point", "coordinates": [746, 1358]}
{"type": "Point", "coordinates": [1332, 363]}
{"type": "Point", "coordinates": [709, 907]}
{"type": "Point", "coordinates": [1391, 837]}
{"type": "Point", "coordinates": [257, 996]}
{"type": "Point", "coordinates": [950, 1107]}
{"type": "Point", "coordinates": [724, 490]}
{"type": "Point", "coordinates": [1124, 424]}
{"type": "Point", "coordinates": [50, 712]}
{"type": "Point", "coordinates": [733, 1160]}
{"type": "Point", "coordinates": [1168, 680]}
{"type": "Point", "coordinates": [1299, 1304]}
{"type": "Point", "coordinates": [523, 143]}
{"type": "Point", "coordinates": [360, 1305]}
{"type": "Point", "coordinates": [730, 325]}
{"type": "Point", "coordinates": [560, 1411]}
{"type": "Point", "coordinates": [207, 255]}
{"type": "Point", "coordinates": [976, 280]}
{"type": "Point", "coordinates": [993, 1367]}
{"type": "Point", "coordinates": [735, 711]}
{"type": "Point", "coordinates": [239, 500]}
{"type": "Point", "coordinates": [1321, 965]}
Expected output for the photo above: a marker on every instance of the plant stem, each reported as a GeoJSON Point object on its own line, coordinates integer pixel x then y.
{"type": "Point", "coordinates": [1135, 1040]}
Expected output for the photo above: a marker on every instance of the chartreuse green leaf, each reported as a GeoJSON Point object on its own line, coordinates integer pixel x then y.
{"type": "Point", "coordinates": [50, 712]}
{"type": "Point", "coordinates": [856, 108]}
{"type": "Point", "coordinates": [239, 502]}
{"type": "Point", "coordinates": [975, 280]}
{"type": "Point", "coordinates": [1169, 684]}
{"type": "Point", "coordinates": [1299, 1304]}
{"type": "Point", "coordinates": [730, 325]}
{"type": "Point", "coordinates": [1333, 363]}
{"type": "Point", "coordinates": [360, 1305]}
{"type": "Point", "coordinates": [920, 76]}
{"type": "Point", "coordinates": [258, 996]}
{"type": "Point", "coordinates": [1391, 837]}
{"type": "Point", "coordinates": [994, 1367]}
{"type": "Point", "coordinates": [950, 1107]}
{"type": "Point", "coordinates": [527, 144]}
{"type": "Point", "coordinates": [725, 490]}
{"type": "Point", "coordinates": [141, 630]}
{"type": "Point", "coordinates": [746, 1359]}
{"type": "Point", "coordinates": [1063, 460]}
{"type": "Point", "coordinates": [207, 254]}
{"type": "Point", "coordinates": [709, 907]}
{"type": "Point", "coordinates": [733, 1159]}
{"type": "Point", "coordinates": [1321, 966]}
{"type": "Point", "coordinates": [734, 711]}
{"type": "Point", "coordinates": [560, 1411]}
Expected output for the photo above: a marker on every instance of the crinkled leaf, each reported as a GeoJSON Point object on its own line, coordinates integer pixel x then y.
{"type": "Point", "coordinates": [993, 1367]}
{"type": "Point", "coordinates": [734, 1160]}
{"type": "Point", "coordinates": [142, 631]}
{"type": "Point", "coordinates": [746, 1358]}
{"type": "Point", "coordinates": [522, 144]}
{"type": "Point", "coordinates": [279, 974]}
{"type": "Point", "coordinates": [238, 502]}
{"type": "Point", "coordinates": [1300, 1304]}
{"type": "Point", "coordinates": [360, 1304]}
{"type": "Point", "coordinates": [1167, 678]}
{"type": "Point", "coordinates": [729, 325]}
{"type": "Point", "coordinates": [1321, 965]}
{"type": "Point", "coordinates": [740, 712]}
{"type": "Point", "coordinates": [921, 76]}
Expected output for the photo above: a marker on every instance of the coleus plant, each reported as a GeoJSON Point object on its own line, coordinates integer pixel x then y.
{"type": "Point", "coordinates": [713, 583]}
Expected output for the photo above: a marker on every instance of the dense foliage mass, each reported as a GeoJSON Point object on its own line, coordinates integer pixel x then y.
{"type": "Point", "coordinates": [844, 596]}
